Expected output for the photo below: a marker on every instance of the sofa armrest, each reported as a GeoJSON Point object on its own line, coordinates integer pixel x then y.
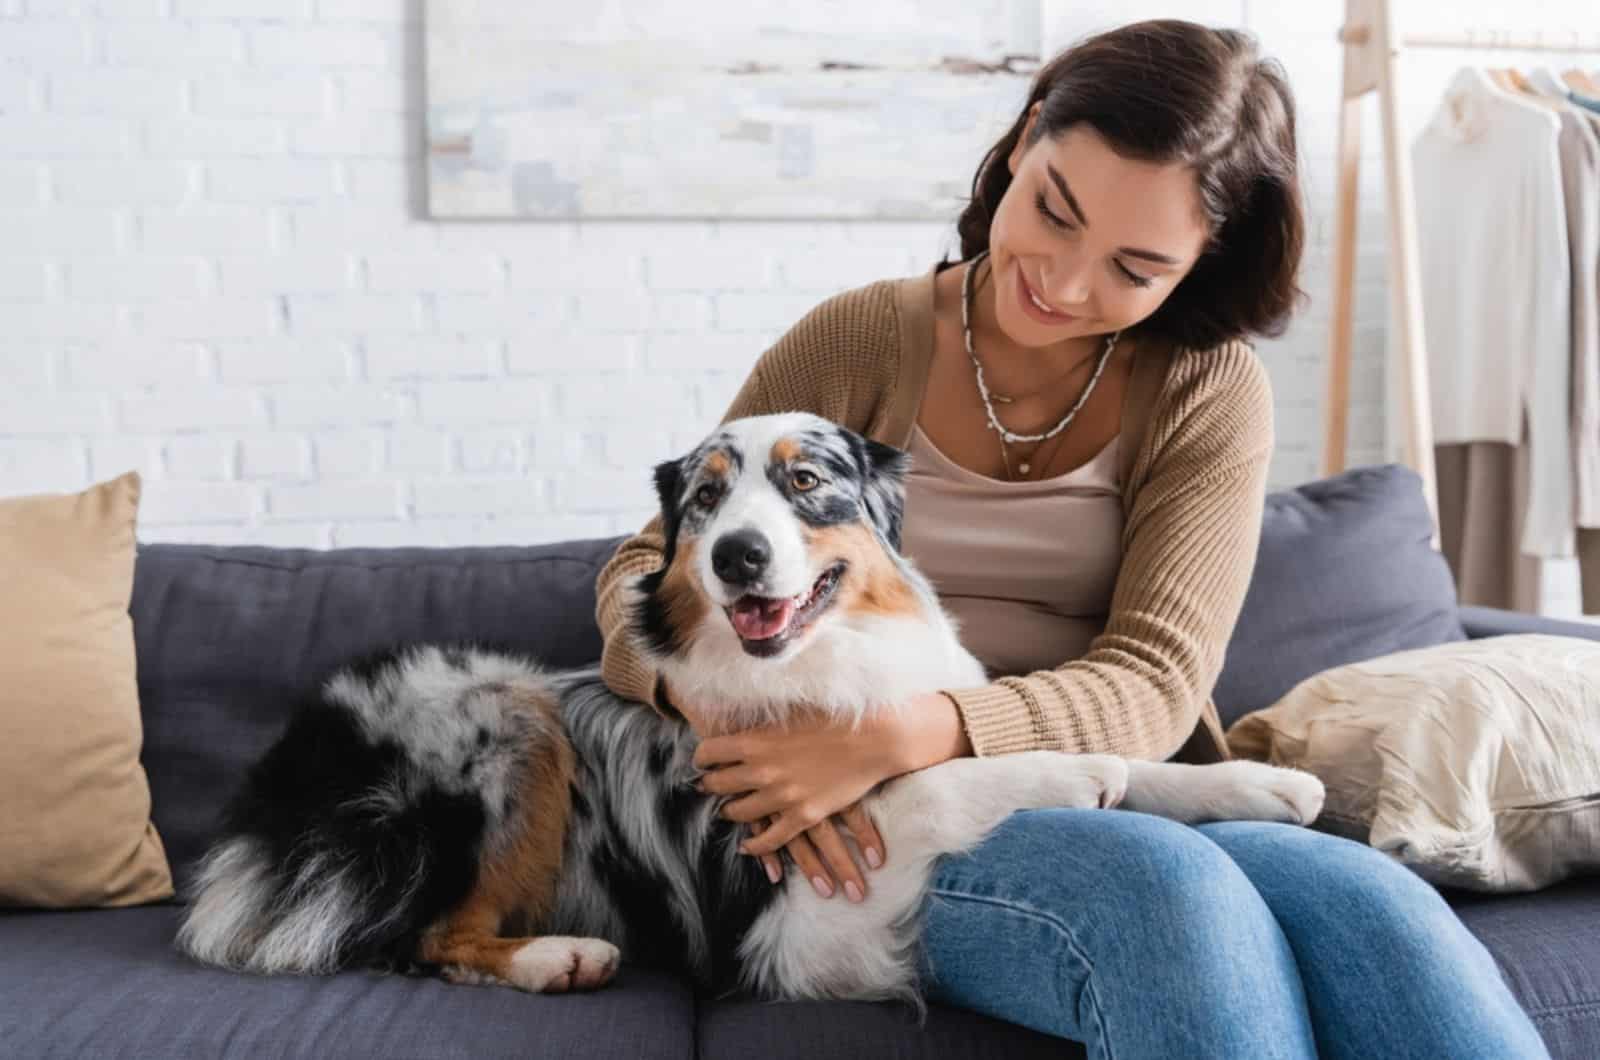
{"type": "Point", "coordinates": [1493, 622]}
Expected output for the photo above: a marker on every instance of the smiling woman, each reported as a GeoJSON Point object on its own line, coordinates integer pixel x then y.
{"type": "Point", "coordinates": [1090, 432]}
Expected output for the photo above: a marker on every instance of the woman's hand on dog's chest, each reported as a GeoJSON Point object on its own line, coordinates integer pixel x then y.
{"type": "Point", "coordinates": [794, 787]}
{"type": "Point", "coordinates": [799, 778]}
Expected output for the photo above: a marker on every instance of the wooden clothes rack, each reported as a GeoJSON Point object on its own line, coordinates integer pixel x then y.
{"type": "Point", "coordinates": [1372, 53]}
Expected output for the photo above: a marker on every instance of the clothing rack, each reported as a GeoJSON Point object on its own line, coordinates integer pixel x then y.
{"type": "Point", "coordinates": [1372, 54]}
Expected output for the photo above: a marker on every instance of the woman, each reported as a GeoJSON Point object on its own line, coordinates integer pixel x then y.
{"type": "Point", "coordinates": [1138, 221]}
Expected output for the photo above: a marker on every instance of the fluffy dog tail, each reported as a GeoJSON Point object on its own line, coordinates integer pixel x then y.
{"type": "Point", "coordinates": [364, 823]}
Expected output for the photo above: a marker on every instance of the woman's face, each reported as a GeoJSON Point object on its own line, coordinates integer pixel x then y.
{"type": "Point", "coordinates": [1099, 239]}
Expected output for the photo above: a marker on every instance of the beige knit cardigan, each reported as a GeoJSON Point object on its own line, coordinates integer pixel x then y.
{"type": "Point", "coordinates": [1193, 493]}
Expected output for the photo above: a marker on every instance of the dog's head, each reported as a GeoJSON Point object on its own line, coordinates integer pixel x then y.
{"type": "Point", "coordinates": [775, 526]}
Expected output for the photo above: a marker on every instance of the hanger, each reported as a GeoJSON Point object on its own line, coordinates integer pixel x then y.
{"type": "Point", "coordinates": [1497, 80]}
{"type": "Point", "coordinates": [1517, 83]}
{"type": "Point", "coordinates": [1581, 82]}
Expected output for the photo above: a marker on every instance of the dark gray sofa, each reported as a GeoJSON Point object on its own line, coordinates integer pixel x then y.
{"type": "Point", "coordinates": [227, 637]}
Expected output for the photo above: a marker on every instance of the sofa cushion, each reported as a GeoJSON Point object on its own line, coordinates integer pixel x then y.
{"type": "Point", "coordinates": [1548, 947]}
{"type": "Point", "coordinates": [107, 983]}
{"type": "Point", "coordinates": [1345, 571]}
{"type": "Point", "coordinates": [229, 638]}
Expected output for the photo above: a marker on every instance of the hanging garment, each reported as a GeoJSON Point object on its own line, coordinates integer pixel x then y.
{"type": "Point", "coordinates": [1496, 290]}
{"type": "Point", "coordinates": [1588, 534]}
{"type": "Point", "coordinates": [1483, 496]}
{"type": "Point", "coordinates": [1579, 149]}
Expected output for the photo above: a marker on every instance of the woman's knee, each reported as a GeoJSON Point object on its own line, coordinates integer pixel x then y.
{"type": "Point", "coordinates": [1135, 875]}
{"type": "Point", "coordinates": [1105, 919]}
{"type": "Point", "coordinates": [1319, 878]}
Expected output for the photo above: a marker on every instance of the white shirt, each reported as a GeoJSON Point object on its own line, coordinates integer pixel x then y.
{"type": "Point", "coordinates": [1496, 288]}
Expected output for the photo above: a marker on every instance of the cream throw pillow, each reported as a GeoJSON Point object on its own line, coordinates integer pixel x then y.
{"type": "Point", "coordinates": [1475, 763]}
{"type": "Point", "coordinates": [75, 824]}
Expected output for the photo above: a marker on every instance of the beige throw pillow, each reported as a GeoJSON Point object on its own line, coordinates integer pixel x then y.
{"type": "Point", "coordinates": [1475, 763]}
{"type": "Point", "coordinates": [75, 824]}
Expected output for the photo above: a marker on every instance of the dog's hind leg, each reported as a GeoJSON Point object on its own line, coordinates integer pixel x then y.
{"type": "Point", "coordinates": [516, 883]}
{"type": "Point", "coordinates": [951, 806]}
{"type": "Point", "coordinates": [468, 948]}
{"type": "Point", "coordinates": [1240, 790]}
{"type": "Point", "coordinates": [804, 947]}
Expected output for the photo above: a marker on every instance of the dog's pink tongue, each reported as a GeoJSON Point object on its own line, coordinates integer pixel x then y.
{"type": "Point", "coordinates": [756, 618]}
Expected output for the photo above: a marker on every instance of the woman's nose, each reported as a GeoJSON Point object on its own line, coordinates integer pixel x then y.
{"type": "Point", "coordinates": [1066, 282]}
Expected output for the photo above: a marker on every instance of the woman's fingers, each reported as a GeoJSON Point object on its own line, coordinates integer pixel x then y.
{"type": "Point", "coordinates": [753, 807]}
{"type": "Point", "coordinates": [720, 750]}
{"type": "Point", "coordinates": [783, 828]}
{"type": "Point", "coordinates": [729, 780]}
{"type": "Point", "coordinates": [771, 862]}
{"type": "Point", "coordinates": [866, 833]}
{"type": "Point", "coordinates": [806, 857]}
{"type": "Point", "coordinates": [830, 844]}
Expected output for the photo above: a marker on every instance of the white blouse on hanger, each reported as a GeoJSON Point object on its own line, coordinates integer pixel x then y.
{"type": "Point", "coordinates": [1496, 288]}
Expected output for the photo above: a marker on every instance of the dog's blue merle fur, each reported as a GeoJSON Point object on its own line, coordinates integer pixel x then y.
{"type": "Point", "coordinates": [385, 830]}
{"type": "Point", "coordinates": [368, 820]}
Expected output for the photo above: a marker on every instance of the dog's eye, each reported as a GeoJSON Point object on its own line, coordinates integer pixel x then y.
{"type": "Point", "coordinates": [706, 495]}
{"type": "Point", "coordinates": [805, 480]}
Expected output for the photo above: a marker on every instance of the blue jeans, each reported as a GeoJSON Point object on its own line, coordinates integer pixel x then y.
{"type": "Point", "coordinates": [1145, 938]}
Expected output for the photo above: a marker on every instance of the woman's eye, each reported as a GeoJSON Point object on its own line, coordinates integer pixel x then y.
{"type": "Point", "coordinates": [1133, 277]}
{"type": "Point", "coordinates": [805, 480]}
{"type": "Point", "coordinates": [706, 496]}
{"type": "Point", "coordinates": [1049, 215]}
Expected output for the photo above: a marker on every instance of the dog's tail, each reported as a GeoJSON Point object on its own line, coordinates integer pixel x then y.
{"type": "Point", "coordinates": [362, 826]}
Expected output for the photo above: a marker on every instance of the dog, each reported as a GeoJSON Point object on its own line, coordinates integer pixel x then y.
{"type": "Point", "coordinates": [466, 812]}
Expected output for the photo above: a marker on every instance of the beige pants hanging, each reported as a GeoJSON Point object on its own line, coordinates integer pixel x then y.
{"type": "Point", "coordinates": [1483, 497]}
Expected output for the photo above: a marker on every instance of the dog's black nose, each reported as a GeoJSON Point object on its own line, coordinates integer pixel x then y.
{"type": "Point", "coordinates": [741, 557]}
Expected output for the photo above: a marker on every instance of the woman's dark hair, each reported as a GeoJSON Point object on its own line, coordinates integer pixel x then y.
{"type": "Point", "coordinates": [1169, 91]}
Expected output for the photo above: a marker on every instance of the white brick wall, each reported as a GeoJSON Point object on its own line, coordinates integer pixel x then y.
{"type": "Point", "coordinates": [212, 269]}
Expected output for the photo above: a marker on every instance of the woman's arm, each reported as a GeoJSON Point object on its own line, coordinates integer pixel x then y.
{"type": "Point", "coordinates": [1139, 691]}
{"type": "Point", "coordinates": [1190, 550]}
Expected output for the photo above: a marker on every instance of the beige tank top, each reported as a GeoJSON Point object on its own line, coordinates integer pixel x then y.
{"type": "Point", "coordinates": [1026, 568]}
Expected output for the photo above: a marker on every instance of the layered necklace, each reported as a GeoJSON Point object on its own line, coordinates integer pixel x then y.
{"type": "Point", "coordinates": [989, 399]}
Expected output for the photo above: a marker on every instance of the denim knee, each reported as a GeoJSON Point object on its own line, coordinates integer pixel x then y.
{"type": "Point", "coordinates": [1128, 884]}
{"type": "Point", "coordinates": [1352, 882]}
{"type": "Point", "coordinates": [1115, 926]}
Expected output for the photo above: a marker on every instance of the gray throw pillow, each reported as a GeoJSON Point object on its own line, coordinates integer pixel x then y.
{"type": "Point", "coordinates": [1346, 571]}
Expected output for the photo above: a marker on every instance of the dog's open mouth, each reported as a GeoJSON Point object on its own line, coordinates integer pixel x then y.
{"type": "Point", "coordinates": [765, 624]}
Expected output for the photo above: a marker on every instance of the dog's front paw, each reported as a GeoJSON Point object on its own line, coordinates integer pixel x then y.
{"type": "Point", "coordinates": [1273, 793]}
{"type": "Point", "coordinates": [555, 964]}
{"type": "Point", "coordinates": [1110, 773]}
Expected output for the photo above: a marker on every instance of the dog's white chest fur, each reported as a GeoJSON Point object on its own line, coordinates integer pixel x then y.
{"type": "Point", "coordinates": [858, 665]}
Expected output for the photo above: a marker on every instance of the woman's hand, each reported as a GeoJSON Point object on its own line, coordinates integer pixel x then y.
{"type": "Point", "coordinates": [778, 768]}
{"type": "Point", "coordinates": [794, 781]}
{"type": "Point", "coordinates": [825, 872]}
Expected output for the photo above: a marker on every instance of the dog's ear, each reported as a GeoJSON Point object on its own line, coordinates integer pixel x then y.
{"type": "Point", "coordinates": [884, 486]}
{"type": "Point", "coordinates": [651, 619]}
{"type": "Point", "coordinates": [669, 484]}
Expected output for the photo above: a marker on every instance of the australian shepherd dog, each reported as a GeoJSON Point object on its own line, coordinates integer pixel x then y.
{"type": "Point", "coordinates": [453, 810]}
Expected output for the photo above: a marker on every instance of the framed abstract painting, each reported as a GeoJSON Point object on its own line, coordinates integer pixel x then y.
{"type": "Point", "coordinates": [688, 109]}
